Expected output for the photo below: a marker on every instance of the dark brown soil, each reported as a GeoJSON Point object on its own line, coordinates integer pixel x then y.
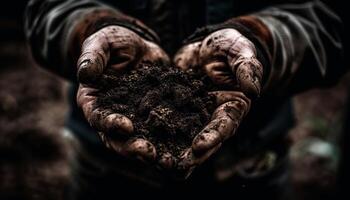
{"type": "Point", "coordinates": [167, 106]}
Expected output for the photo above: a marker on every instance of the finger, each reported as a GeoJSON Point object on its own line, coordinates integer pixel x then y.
{"type": "Point", "coordinates": [248, 72]}
{"type": "Point", "coordinates": [111, 123]}
{"type": "Point", "coordinates": [221, 97]}
{"type": "Point", "coordinates": [141, 149]}
{"type": "Point", "coordinates": [102, 119]}
{"type": "Point", "coordinates": [214, 133]}
{"type": "Point", "coordinates": [137, 148]}
{"type": "Point", "coordinates": [187, 57]}
{"type": "Point", "coordinates": [225, 121]}
{"type": "Point", "coordinates": [85, 95]}
{"type": "Point", "coordinates": [189, 160]}
{"type": "Point", "coordinates": [219, 73]}
{"type": "Point", "coordinates": [155, 54]}
{"type": "Point", "coordinates": [167, 161]}
{"type": "Point", "coordinates": [93, 59]}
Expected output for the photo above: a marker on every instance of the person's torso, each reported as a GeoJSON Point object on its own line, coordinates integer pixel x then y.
{"type": "Point", "coordinates": [175, 20]}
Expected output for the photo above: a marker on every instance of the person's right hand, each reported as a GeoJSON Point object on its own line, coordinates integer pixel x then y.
{"type": "Point", "coordinates": [117, 49]}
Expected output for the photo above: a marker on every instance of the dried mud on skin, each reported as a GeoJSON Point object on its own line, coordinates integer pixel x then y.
{"type": "Point", "coordinates": [168, 107]}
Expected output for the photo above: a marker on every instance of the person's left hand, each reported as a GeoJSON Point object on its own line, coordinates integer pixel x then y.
{"type": "Point", "coordinates": [230, 60]}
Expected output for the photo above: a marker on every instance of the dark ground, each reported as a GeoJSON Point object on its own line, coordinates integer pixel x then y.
{"type": "Point", "coordinates": [34, 152]}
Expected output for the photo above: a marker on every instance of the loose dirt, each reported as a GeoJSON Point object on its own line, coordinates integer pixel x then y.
{"type": "Point", "coordinates": [167, 106]}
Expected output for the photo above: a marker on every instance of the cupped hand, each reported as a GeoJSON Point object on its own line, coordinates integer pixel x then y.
{"type": "Point", "coordinates": [114, 49]}
{"type": "Point", "coordinates": [230, 61]}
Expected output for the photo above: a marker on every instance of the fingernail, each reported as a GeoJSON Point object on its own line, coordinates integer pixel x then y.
{"type": "Point", "coordinates": [85, 74]}
{"type": "Point", "coordinates": [83, 64]}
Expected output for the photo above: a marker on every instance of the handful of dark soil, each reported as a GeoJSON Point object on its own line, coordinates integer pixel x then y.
{"type": "Point", "coordinates": [168, 107]}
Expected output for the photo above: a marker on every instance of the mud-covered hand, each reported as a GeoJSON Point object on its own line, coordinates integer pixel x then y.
{"type": "Point", "coordinates": [114, 49]}
{"type": "Point", "coordinates": [230, 60]}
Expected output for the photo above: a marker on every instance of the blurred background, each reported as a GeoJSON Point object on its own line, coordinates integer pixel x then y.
{"type": "Point", "coordinates": [33, 107]}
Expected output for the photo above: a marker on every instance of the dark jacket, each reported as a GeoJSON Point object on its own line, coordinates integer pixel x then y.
{"type": "Point", "coordinates": [306, 51]}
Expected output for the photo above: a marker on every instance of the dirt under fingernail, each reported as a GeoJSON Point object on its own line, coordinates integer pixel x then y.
{"type": "Point", "coordinates": [168, 107]}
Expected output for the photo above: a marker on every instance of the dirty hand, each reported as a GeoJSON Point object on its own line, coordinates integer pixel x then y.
{"type": "Point", "coordinates": [230, 61]}
{"type": "Point", "coordinates": [114, 49]}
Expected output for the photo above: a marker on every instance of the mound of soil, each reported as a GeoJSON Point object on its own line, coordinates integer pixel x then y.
{"type": "Point", "coordinates": [167, 106]}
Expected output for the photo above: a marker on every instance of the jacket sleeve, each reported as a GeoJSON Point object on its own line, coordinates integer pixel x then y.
{"type": "Point", "coordinates": [300, 45]}
{"type": "Point", "coordinates": [306, 48]}
{"type": "Point", "coordinates": [55, 30]}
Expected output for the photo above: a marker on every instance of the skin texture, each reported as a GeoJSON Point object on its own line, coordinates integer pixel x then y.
{"type": "Point", "coordinates": [230, 60]}
{"type": "Point", "coordinates": [116, 49]}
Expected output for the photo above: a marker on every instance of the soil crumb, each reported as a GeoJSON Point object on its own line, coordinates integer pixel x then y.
{"type": "Point", "coordinates": [169, 107]}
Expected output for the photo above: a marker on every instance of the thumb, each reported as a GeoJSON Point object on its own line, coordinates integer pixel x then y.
{"type": "Point", "coordinates": [93, 59]}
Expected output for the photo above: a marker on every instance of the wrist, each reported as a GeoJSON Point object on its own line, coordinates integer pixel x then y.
{"type": "Point", "coordinates": [98, 18]}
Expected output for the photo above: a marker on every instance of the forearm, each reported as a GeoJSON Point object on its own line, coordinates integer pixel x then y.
{"type": "Point", "coordinates": [56, 30]}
